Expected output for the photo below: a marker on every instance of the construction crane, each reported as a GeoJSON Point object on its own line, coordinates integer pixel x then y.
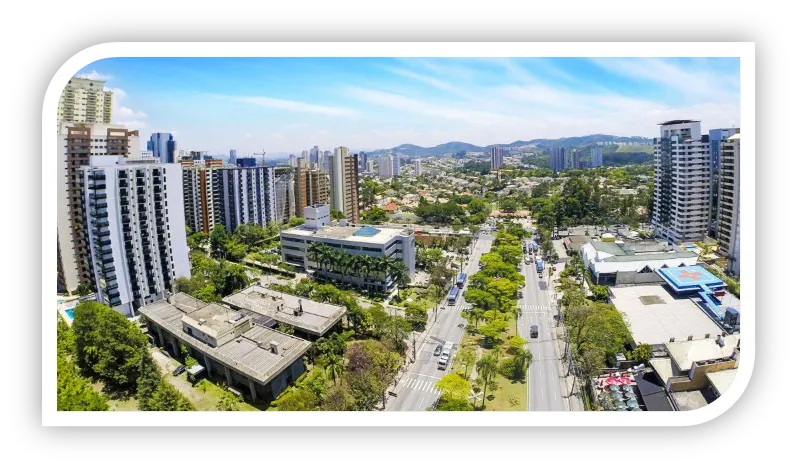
{"type": "Point", "coordinates": [263, 157]}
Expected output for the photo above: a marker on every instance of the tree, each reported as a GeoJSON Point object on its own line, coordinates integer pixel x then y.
{"type": "Point", "coordinates": [417, 317]}
{"type": "Point", "coordinates": [198, 241]}
{"type": "Point", "coordinates": [453, 387]}
{"type": "Point", "coordinates": [228, 402]}
{"type": "Point", "coordinates": [149, 379]}
{"type": "Point", "coordinates": [481, 299]}
{"type": "Point", "coordinates": [339, 398]}
{"type": "Point", "coordinates": [296, 399]}
{"type": "Point", "coordinates": [375, 215]}
{"type": "Point", "coordinates": [454, 405]}
{"type": "Point", "coordinates": [84, 289]}
{"type": "Point", "coordinates": [487, 367]}
{"type": "Point", "coordinates": [509, 205]}
{"type": "Point", "coordinates": [107, 343]}
{"type": "Point", "coordinates": [466, 357]}
{"type": "Point", "coordinates": [168, 398]}
{"type": "Point", "coordinates": [293, 222]}
{"type": "Point", "coordinates": [516, 343]}
{"type": "Point", "coordinates": [336, 214]}
{"type": "Point", "coordinates": [643, 352]}
{"type": "Point", "coordinates": [492, 331]}
{"type": "Point", "coordinates": [75, 392]}
{"type": "Point", "coordinates": [334, 365]}
{"type": "Point", "coordinates": [370, 367]}
{"type": "Point", "coordinates": [218, 242]}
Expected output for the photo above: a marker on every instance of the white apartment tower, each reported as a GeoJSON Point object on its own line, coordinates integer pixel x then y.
{"type": "Point", "coordinates": [386, 166]}
{"type": "Point", "coordinates": [136, 230]}
{"type": "Point", "coordinates": [728, 202]}
{"type": "Point", "coordinates": [417, 167]}
{"type": "Point", "coordinates": [681, 198]}
{"type": "Point", "coordinates": [77, 144]}
{"type": "Point", "coordinates": [336, 179]}
{"type": "Point", "coordinates": [396, 165]}
{"type": "Point", "coordinates": [245, 196]}
{"type": "Point", "coordinates": [496, 158]}
{"type": "Point", "coordinates": [85, 101]}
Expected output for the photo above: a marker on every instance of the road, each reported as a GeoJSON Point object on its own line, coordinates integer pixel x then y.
{"type": "Point", "coordinates": [416, 388]}
{"type": "Point", "coordinates": [544, 378]}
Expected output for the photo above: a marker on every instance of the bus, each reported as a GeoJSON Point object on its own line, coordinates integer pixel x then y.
{"type": "Point", "coordinates": [540, 266]}
{"type": "Point", "coordinates": [452, 297]}
{"type": "Point", "coordinates": [461, 280]}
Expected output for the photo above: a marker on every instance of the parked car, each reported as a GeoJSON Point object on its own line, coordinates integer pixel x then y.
{"type": "Point", "coordinates": [438, 350]}
{"type": "Point", "coordinates": [180, 369]}
{"type": "Point", "coordinates": [442, 363]}
{"type": "Point", "coordinates": [539, 275]}
{"type": "Point", "coordinates": [534, 332]}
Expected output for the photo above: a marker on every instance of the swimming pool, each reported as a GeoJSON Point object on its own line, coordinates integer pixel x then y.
{"type": "Point", "coordinates": [70, 313]}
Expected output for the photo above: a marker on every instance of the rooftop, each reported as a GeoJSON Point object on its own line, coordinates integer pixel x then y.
{"type": "Point", "coordinates": [684, 353]}
{"type": "Point", "coordinates": [689, 400]}
{"type": "Point", "coordinates": [721, 380]}
{"type": "Point", "coordinates": [250, 353]}
{"type": "Point", "coordinates": [351, 233]}
{"type": "Point", "coordinates": [655, 315]}
{"type": "Point", "coordinates": [213, 319]}
{"type": "Point", "coordinates": [690, 278]}
{"type": "Point", "coordinates": [675, 122]}
{"type": "Point", "coordinates": [316, 318]}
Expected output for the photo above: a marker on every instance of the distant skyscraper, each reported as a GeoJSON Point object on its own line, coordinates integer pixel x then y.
{"type": "Point", "coordinates": [162, 146]}
{"type": "Point", "coordinates": [597, 157]}
{"type": "Point", "coordinates": [557, 159]}
{"type": "Point", "coordinates": [284, 194]}
{"type": "Point", "coordinates": [386, 166]}
{"type": "Point", "coordinates": [292, 160]}
{"type": "Point", "coordinates": [85, 101]}
{"type": "Point", "coordinates": [371, 166]}
{"type": "Point", "coordinates": [417, 165]}
{"type": "Point", "coordinates": [314, 155]}
{"type": "Point", "coordinates": [681, 203]}
{"type": "Point", "coordinates": [246, 162]}
{"type": "Point", "coordinates": [233, 156]}
{"type": "Point", "coordinates": [575, 158]}
{"type": "Point", "coordinates": [363, 159]}
{"type": "Point", "coordinates": [336, 179]}
{"type": "Point", "coordinates": [716, 138]}
{"type": "Point", "coordinates": [496, 158]}
{"type": "Point", "coordinates": [305, 154]}
{"type": "Point", "coordinates": [728, 207]}
{"type": "Point", "coordinates": [326, 161]}
{"type": "Point", "coordinates": [396, 165]}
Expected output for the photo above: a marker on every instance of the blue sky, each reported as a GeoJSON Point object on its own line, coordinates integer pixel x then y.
{"type": "Point", "coordinates": [285, 105]}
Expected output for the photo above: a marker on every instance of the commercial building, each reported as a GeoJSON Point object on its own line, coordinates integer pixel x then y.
{"type": "Point", "coordinates": [716, 138]}
{"type": "Point", "coordinates": [314, 152]}
{"type": "Point", "coordinates": [246, 195]}
{"type": "Point", "coordinates": [681, 196]}
{"type": "Point", "coordinates": [558, 159]}
{"type": "Point", "coordinates": [728, 203]}
{"type": "Point", "coordinates": [417, 167]}
{"type": "Point", "coordinates": [496, 158]}
{"type": "Point", "coordinates": [363, 160]}
{"type": "Point", "coordinates": [246, 162]}
{"type": "Point", "coordinates": [344, 184]}
{"type": "Point", "coordinates": [237, 346]}
{"type": "Point", "coordinates": [77, 144]}
{"type": "Point", "coordinates": [597, 157]}
{"type": "Point", "coordinates": [136, 229]}
{"type": "Point", "coordinates": [309, 319]}
{"type": "Point", "coordinates": [284, 193]}
{"type": "Point", "coordinates": [233, 157]}
{"type": "Point", "coordinates": [85, 101]}
{"type": "Point", "coordinates": [631, 262]}
{"type": "Point", "coordinates": [311, 188]}
{"type": "Point", "coordinates": [386, 167]}
{"type": "Point", "coordinates": [163, 147]}
{"type": "Point", "coordinates": [396, 165]}
{"type": "Point", "coordinates": [356, 240]}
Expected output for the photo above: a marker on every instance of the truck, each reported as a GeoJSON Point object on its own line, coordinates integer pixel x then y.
{"type": "Point", "coordinates": [540, 266]}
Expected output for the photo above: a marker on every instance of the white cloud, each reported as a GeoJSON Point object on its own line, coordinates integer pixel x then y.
{"type": "Point", "coordinates": [434, 82]}
{"type": "Point", "coordinates": [132, 124]}
{"type": "Point", "coordinates": [128, 112]}
{"type": "Point", "coordinates": [118, 93]}
{"type": "Point", "coordinates": [247, 136]}
{"type": "Point", "coordinates": [94, 75]}
{"type": "Point", "coordinates": [294, 106]}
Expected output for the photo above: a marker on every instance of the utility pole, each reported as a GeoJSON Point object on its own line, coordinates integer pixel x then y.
{"type": "Point", "coordinates": [413, 345]}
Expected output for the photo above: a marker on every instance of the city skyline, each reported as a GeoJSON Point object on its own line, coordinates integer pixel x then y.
{"type": "Point", "coordinates": [285, 105]}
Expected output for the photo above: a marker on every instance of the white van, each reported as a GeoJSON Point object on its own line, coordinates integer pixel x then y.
{"type": "Point", "coordinates": [443, 362]}
{"type": "Point", "coordinates": [447, 347]}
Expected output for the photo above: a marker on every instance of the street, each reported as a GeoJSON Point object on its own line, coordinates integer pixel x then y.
{"type": "Point", "coordinates": [416, 388]}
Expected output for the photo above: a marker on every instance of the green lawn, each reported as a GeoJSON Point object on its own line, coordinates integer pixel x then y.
{"type": "Point", "coordinates": [635, 149]}
{"type": "Point", "coordinates": [510, 396]}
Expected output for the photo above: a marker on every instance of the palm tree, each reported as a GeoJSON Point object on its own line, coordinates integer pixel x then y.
{"type": "Point", "coordinates": [380, 265]}
{"type": "Point", "coordinates": [486, 368]}
{"type": "Point", "coordinates": [334, 366]}
{"type": "Point", "coordinates": [366, 266]}
{"type": "Point", "coordinates": [398, 271]}
{"type": "Point", "coordinates": [523, 358]}
{"type": "Point", "coordinates": [314, 251]}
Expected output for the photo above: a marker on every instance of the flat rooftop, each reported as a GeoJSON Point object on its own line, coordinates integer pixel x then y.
{"type": "Point", "coordinates": [352, 233]}
{"type": "Point", "coordinates": [722, 380]}
{"type": "Point", "coordinates": [689, 400]}
{"type": "Point", "coordinates": [249, 354]}
{"type": "Point", "coordinates": [684, 353]}
{"type": "Point", "coordinates": [655, 315]}
{"type": "Point", "coordinates": [317, 318]}
{"type": "Point", "coordinates": [690, 278]}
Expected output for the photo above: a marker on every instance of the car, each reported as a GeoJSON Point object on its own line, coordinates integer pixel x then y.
{"type": "Point", "coordinates": [528, 262]}
{"type": "Point", "coordinates": [438, 350]}
{"type": "Point", "coordinates": [442, 363]}
{"type": "Point", "coordinates": [539, 275]}
{"type": "Point", "coordinates": [534, 332]}
{"type": "Point", "coordinates": [520, 294]}
{"type": "Point", "coordinates": [180, 369]}
{"type": "Point", "coordinates": [553, 268]}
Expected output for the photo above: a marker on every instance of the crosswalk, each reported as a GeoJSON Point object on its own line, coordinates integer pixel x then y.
{"type": "Point", "coordinates": [422, 385]}
{"type": "Point", "coordinates": [534, 308]}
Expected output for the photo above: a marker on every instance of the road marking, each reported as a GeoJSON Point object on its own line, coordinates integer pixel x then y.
{"type": "Point", "coordinates": [424, 375]}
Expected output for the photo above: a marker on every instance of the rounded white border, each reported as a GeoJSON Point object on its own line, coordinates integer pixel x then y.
{"type": "Point", "coordinates": [744, 50]}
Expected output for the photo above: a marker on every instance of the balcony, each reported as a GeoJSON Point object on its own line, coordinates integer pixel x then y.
{"type": "Point", "coordinates": [98, 195]}
{"type": "Point", "coordinates": [109, 269]}
{"type": "Point", "coordinates": [99, 223]}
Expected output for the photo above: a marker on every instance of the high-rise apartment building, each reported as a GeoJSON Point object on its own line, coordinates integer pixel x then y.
{"type": "Point", "coordinates": [311, 188]}
{"type": "Point", "coordinates": [292, 160]}
{"type": "Point", "coordinates": [417, 167]}
{"type": "Point", "coordinates": [326, 161]}
{"type": "Point", "coordinates": [496, 158]}
{"type": "Point", "coordinates": [386, 166]}
{"type": "Point", "coordinates": [233, 157]}
{"type": "Point", "coordinates": [284, 193]}
{"type": "Point", "coordinates": [597, 157]}
{"type": "Point", "coordinates": [363, 159]}
{"type": "Point", "coordinates": [85, 101]}
{"type": "Point", "coordinates": [246, 196]}
{"type": "Point", "coordinates": [337, 178]}
{"type": "Point", "coordinates": [557, 159]}
{"type": "Point", "coordinates": [163, 147]}
{"type": "Point", "coordinates": [575, 159]}
{"type": "Point", "coordinates": [344, 182]}
{"type": "Point", "coordinates": [200, 197]}
{"type": "Point", "coordinates": [371, 167]}
{"type": "Point", "coordinates": [135, 230]}
{"type": "Point", "coordinates": [77, 144]}
{"type": "Point", "coordinates": [681, 197]}
{"type": "Point", "coordinates": [728, 206]}
{"type": "Point", "coordinates": [716, 138]}
{"type": "Point", "coordinates": [314, 152]}
{"type": "Point", "coordinates": [396, 165]}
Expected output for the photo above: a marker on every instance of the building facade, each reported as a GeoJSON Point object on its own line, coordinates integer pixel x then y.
{"type": "Point", "coordinates": [716, 138]}
{"type": "Point", "coordinates": [575, 159]}
{"type": "Point", "coordinates": [200, 197]}
{"type": "Point", "coordinates": [496, 158]}
{"type": "Point", "coordinates": [355, 240]}
{"type": "Point", "coordinates": [417, 167]}
{"type": "Point", "coordinates": [163, 147]}
{"type": "Point", "coordinates": [246, 196]}
{"type": "Point", "coordinates": [728, 205]}
{"type": "Point", "coordinates": [85, 101]}
{"type": "Point", "coordinates": [136, 230]}
{"type": "Point", "coordinates": [597, 157]}
{"type": "Point", "coordinates": [681, 197]}
{"type": "Point", "coordinates": [557, 159]}
{"type": "Point", "coordinates": [284, 193]}
{"type": "Point", "coordinates": [233, 157]}
{"type": "Point", "coordinates": [386, 166]}
{"type": "Point", "coordinates": [396, 165]}
{"type": "Point", "coordinates": [344, 184]}
{"type": "Point", "coordinates": [77, 144]}
{"type": "Point", "coordinates": [311, 188]}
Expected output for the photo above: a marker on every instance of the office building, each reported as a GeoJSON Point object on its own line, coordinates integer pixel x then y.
{"type": "Point", "coordinates": [246, 162]}
{"type": "Point", "coordinates": [575, 159]}
{"type": "Point", "coordinates": [136, 230]}
{"type": "Point", "coordinates": [163, 147]}
{"type": "Point", "coordinates": [284, 193]}
{"type": "Point", "coordinates": [417, 167]}
{"type": "Point", "coordinates": [311, 188]}
{"type": "Point", "coordinates": [200, 197]}
{"type": "Point", "coordinates": [305, 154]}
{"type": "Point", "coordinates": [77, 144]}
{"type": "Point", "coordinates": [371, 167]}
{"type": "Point", "coordinates": [357, 240]}
{"type": "Point", "coordinates": [396, 165]}
{"type": "Point", "coordinates": [233, 157]}
{"type": "Point", "coordinates": [496, 158]}
{"type": "Point", "coordinates": [292, 160]}
{"type": "Point", "coordinates": [681, 197]}
{"type": "Point", "coordinates": [716, 138]}
{"type": "Point", "coordinates": [386, 166]}
{"type": "Point", "coordinates": [326, 161]}
{"type": "Point", "coordinates": [314, 152]}
{"type": "Point", "coordinates": [85, 101]}
{"type": "Point", "coordinates": [728, 206]}
{"type": "Point", "coordinates": [363, 160]}
{"type": "Point", "coordinates": [557, 159]}
{"type": "Point", "coordinates": [246, 195]}
{"type": "Point", "coordinates": [597, 157]}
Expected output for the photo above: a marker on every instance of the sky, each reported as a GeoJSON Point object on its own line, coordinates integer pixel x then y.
{"type": "Point", "coordinates": [285, 105]}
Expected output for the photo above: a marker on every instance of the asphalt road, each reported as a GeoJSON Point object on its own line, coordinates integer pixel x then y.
{"type": "Point", "coordinates": [416, 388]}
{"type": "Point", "coordinates": [544, 382]}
